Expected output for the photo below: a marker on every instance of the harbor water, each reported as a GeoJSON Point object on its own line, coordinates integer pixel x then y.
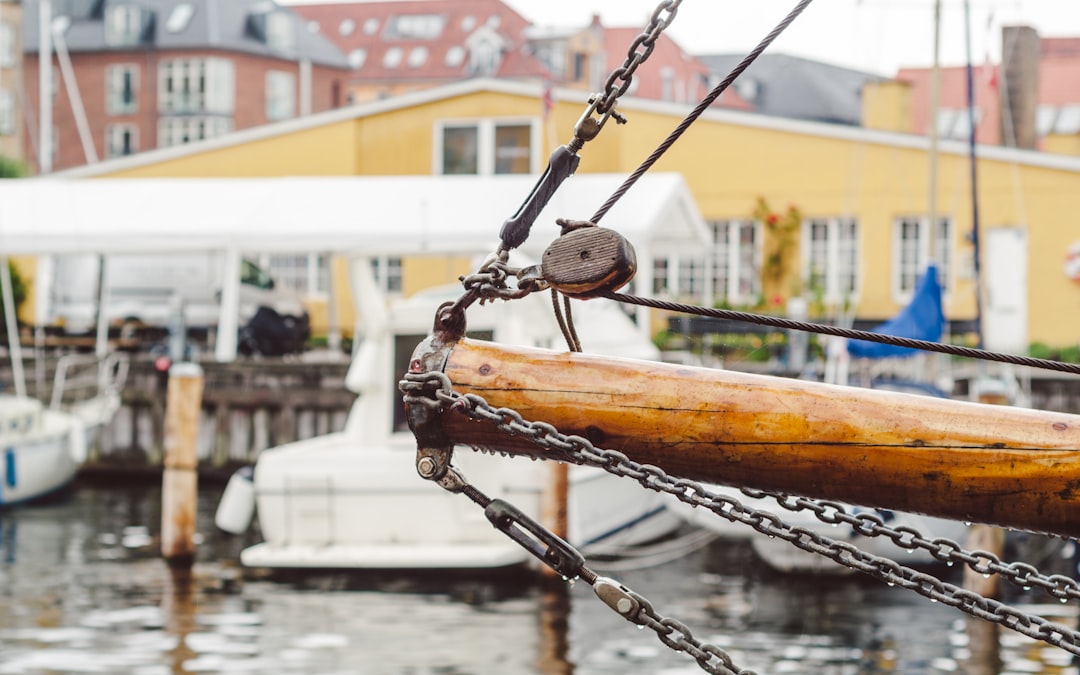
{"type": "Point", "coordinates": [83, 590]}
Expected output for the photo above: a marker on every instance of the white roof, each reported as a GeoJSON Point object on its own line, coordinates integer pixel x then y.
{"type": "Point", "coordinates": [396, 215]}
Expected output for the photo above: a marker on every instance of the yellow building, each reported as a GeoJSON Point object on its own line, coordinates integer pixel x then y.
{"type": "Point", "coordinates": [838, 215]}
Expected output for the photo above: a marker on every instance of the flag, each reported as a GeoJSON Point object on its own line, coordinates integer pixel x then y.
{"type": "Point", "coordinates": [547, 99]}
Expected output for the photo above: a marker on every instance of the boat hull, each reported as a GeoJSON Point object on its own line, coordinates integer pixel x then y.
{"type": "Point", "coordinates": [34, 466]}
{"type": "Point", "coordinates": [328, 503]}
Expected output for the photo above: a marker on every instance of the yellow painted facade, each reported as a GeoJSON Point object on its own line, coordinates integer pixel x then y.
{"type": "Point", "coordinates": [729, 160]}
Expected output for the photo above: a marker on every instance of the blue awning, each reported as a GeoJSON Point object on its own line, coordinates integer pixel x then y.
{"type": "Point", "coordinates": [922, 319]}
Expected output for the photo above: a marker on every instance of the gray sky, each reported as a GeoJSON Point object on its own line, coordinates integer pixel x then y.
{"type": "Point", "coordinates": [874, 35]}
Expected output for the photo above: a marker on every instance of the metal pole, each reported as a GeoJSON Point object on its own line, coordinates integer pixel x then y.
{"type": "Point", "coordinates": [12, 328]}
{"type": "Point", "coordinates": [45, 84]}
{"type": "Point", "coordinates": [974, 177]}
{"type": "Point", "coordinates": [71, 85]}
{"type": "Point", "coordinates": [935, 93]}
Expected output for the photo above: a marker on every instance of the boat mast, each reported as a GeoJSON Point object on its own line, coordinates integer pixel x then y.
{"type": "Point", "coordinates": [935, 104]}
{"type": "Point", "coordinates": [974, 177]}
{"type": "Point", "coordinates": [45, 82]}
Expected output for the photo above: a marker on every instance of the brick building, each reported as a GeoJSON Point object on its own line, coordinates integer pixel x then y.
{"type": "Point", "coordinates": [158, 73]}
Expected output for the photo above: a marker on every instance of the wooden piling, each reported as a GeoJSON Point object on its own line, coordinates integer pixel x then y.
{"type": "Point", "coordinates": [183, 405]}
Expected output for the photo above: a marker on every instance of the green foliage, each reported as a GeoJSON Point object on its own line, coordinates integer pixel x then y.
{"type": "Point", "coordinates": [18, 287]}
{"type": "Point", "coordinates": [12, 168]}
{"type": "Point", "coordinates": [1067, 354]}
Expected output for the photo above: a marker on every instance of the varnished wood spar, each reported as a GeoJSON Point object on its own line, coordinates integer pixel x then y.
{"type": "Point", "coordinates": [1007, 466]}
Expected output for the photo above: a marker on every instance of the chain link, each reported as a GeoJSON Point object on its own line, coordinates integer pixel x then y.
{"type": "Point", "coordinates": [640, 49]}
{"type": "Point", "coordinates": [580, 450]}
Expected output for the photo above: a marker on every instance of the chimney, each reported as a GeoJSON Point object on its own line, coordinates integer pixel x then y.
{"type": "Point", "coordinates": [1020, 87]}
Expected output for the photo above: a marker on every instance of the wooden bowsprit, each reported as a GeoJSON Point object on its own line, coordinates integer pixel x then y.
{"type": "Point", "coordinates": [1011, 467]}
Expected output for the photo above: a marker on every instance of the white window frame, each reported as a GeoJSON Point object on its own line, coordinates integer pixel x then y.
{"type": "Point", "coordinates": [114, 132]}
{"type": "Point", "coordinates": [124, 24]}
{"type": "Point", "coordinates": [8, 56]}
{"type": "Point", "coordinates": [219, 86]}
{"type": "Point", "coordinates": [730, 256]}
{"type": "Point", "coordinates": [171, 130]}
{"type": "Point", "coordinates": [679, 274]}
{"type": "Point", "coordinates": [389, 276]}
{"type": "Point", "coordinates": [837, 256]}
{"type": "Point", "coordinates": [280, 95]}
{"type": "Point", "coordinates": [114, 89]}
{"type": "Point", "coordinates": [910, 255]}
{"type": "Point", "coordinates": [305, 273]}
{"type": "Point", "coordinates": [485, 141]}
{"type": "Point", "coordinates": [8, 124]}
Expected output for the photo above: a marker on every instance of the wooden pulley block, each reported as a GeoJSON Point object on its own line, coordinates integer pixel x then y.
{"type": "Point", "coordinates": [589, 259]}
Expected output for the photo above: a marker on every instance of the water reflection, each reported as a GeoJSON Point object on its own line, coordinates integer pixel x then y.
{"type": "Point", "coordinates": [82, 590]}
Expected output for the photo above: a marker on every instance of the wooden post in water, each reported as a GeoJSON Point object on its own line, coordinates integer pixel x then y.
{"type": "Point", "coordinates": [183, 405]}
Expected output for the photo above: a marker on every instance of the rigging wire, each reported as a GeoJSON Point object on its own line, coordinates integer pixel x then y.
{"type": "Point", "coordinates": [851, 334]}
{"type": "Point", "coordinates": [699, 110]}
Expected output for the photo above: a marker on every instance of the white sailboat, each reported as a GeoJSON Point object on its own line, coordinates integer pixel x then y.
{"type": "Point", "coordinates": [42, 447]}
{"type": "Point", "coordinates": [353, 499]}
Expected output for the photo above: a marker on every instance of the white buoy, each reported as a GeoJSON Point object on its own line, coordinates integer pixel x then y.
{"type": "Point", "coordinates": [237, 505]}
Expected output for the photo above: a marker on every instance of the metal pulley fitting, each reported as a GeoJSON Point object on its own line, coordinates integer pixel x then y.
{"type": "Point", "coordinates": [587, 259]}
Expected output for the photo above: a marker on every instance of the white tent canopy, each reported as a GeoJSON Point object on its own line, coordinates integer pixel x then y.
{"type": "Point", "coordinates": [362, 216]}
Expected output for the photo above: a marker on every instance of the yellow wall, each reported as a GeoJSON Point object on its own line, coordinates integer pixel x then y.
{"type": "Point", "coordinates": [727, 167]}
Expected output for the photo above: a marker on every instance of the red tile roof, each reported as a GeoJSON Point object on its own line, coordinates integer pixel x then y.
{"type": "Point", "coordinates": [430, 51]}
{"type": "Point", "coordinates": [689, 75]}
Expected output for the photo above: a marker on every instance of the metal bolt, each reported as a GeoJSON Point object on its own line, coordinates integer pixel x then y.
{"type": "Point", "coordinates": [427, 467]}
{"type": "Point", "coordinates": [624, 606]}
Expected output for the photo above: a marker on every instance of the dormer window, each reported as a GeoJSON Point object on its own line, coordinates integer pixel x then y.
{"type": "Point", "coordinates": [280, 32]}
{"type": "Point", "coordinates": [126, 24]}
{"type": "Point", "coordinates": [392, 57]}
{"type": "Point", "coordinates": [275, 28]}
{"type": "Point", "coordinates": [346, 28]}
{"type": "Point", "coordinates": [418, 56]}
{"type": "Point", "coordinates": [415, 27]}
{"type": "Point", "coordinates": [180, 18]}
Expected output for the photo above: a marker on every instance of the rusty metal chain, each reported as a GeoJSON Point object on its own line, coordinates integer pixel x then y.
{"type": "Point", "coordinates": [434, 390]}
{"type": "Point", "coordinates": [640, 49]}
{"type": "Point", "coordinates": [865, 523]}
{"type": "Point", "coordinates": [579, 450]}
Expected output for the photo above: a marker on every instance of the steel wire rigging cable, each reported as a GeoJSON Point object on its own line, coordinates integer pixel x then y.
{"type": "Point", "coordinates": [700, 109]}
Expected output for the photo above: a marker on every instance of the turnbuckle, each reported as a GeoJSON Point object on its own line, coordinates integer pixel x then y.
{"type": "Point", "coordinates": [562, 164]}
{"type": "Point", "coordinates": [548, 547]}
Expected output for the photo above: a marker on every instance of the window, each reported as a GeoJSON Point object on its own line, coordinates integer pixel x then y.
{"type": "Point", "coordinates": [911, 253]}
{"type": "Point", "coordinates": [691, 277]}
{"type": "Point", "coordinates": [304, 273]}
{"type": "Point", "coordinates": [125, 25]}
{"type": "Point", "coordinates": [7, 45]}
{"type": "Point", "coordinates": [415, 27]}
{"type": "Point", "coordinates": [7, 112]}
{"type": "Point", "coordinates": [387, 274]}
{"type": "Point", "coordinates": [357, 58]}
{"type": "Point", "coordinates": [179, 130]}
{"type": "Point", "coordinates": [485, 147]}
{"type": "Point", "coordinates": [831, 257]}
{"type": "Point", "coordinates": [120, 86]}
{"type": "Point", "coordinates": [346, 27]}
{"type": "Point", "coordinates": [180, 17]}
{"type": "Point", "coordinates": [280, 31]}
{"type": "Point", "coordinates": [660, 283]}
{"type": "Point", "coordinates": [736, 261]}
{"type": "Point", "coordinates": [121, 140]}
{"type": "Point", "coordinates": [455, 56]}
{"type": "Point", "coordinates": [280, 95]}
{"type": "Point", "coordinates": [392, 57]}
{"type": "Point", "coordinates": [679, 276]}
{"type": "Point", "coordinates": [196, 86]}
{"type": "Point", "coordinates": [418, 56]}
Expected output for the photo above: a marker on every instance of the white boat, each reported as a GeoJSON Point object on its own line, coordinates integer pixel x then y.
{"type": "Point", "coordinates": [41, 448]}
{"type": "Point", "coordinates": [354, 500]}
